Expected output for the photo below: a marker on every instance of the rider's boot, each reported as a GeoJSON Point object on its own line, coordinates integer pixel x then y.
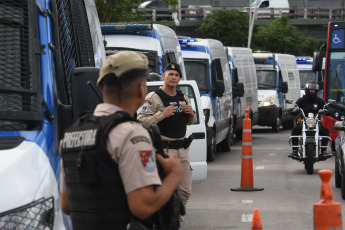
{"type": "Point", "coordinates": [294, 154]}
{"type": "Point", "coordinates": [324, 155]}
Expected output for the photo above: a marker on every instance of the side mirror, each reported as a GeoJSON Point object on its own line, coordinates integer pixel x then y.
{"type": "Point", "coordinates": [339, 125]}
{"type": "Point", "coordinates": [219, 89]}
{"type": "Point", "coordinates": [238, 90]}
{"type": "Point", "coordinates": [284, 87]}
{"type": "Point", "coordinates": [317, 61]}
{"type": "Point", "coordinates": [331, 101]}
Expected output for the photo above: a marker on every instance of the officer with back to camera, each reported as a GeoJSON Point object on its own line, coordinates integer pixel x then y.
{"type": "Point", "coordinates": [309, 103]}
{"type": "Point", "coordinates": [169, 108]}
{"type": "Point", "coordinates": [109, 176]}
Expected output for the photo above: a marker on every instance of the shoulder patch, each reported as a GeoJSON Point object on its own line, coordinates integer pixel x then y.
{"type": "Point", "coordinates": [138, 139]}
{"type": "Point", "coordinates": [144, 109]}
{"type": "Point", "coordinates": [147, 161]}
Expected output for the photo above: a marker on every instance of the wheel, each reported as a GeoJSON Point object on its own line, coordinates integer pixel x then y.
{"type": "Point", "coordinates": [276, 126]}
{"type": "Point", "coordinates": [239, 134]}
{"type": "Point", "coordinates": [309, 162]}
{"type": "Point", "coordinates": [337, 176]}
{"type": "Point", "coordinates": [226, 143]}
{"type": "Point", "coordinates": [211, 149]}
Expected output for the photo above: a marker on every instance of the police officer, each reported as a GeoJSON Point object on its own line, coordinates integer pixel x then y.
{"type": "Point", "coordinates": [169, 108]}
{"type": "Point", "coordinates": [107, 186]}
{"type": "Point", "coordinates": [309, 103]}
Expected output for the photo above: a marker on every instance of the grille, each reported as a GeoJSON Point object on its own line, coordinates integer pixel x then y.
{"type": "Point", "coordinates": [19, 99]}
{"type": "Point", "coordinates": [37, 215]}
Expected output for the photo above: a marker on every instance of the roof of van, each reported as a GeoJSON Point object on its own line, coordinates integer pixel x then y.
{"type": "Point", "coordinates": [168, 37]}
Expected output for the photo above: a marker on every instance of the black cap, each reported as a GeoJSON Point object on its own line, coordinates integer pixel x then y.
{"type": "Point", "coordinates": [173, 66]}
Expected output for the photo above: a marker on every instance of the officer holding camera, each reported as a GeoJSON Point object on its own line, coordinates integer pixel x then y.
{"type": "Point", "coordinates": [169, 108]}
{"type": "Point", "coordinates": [109, 177]}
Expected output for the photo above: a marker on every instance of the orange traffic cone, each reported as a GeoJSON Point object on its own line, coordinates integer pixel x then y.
{"type": "Point", "coordinates": [247, 183]}
{"type": "Point", "coordinates": [256, 223]}
{"type": "Point", "coordinates": [327, 213]}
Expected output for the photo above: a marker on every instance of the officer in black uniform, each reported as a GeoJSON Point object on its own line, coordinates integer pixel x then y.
{"type": "Point", "coordinates": [309, 103]}
{"type": "Point", "coordinates": [109, 176]}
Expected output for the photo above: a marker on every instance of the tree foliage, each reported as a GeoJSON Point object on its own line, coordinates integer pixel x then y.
{"type": "Point", "coordinates": [280, 36]}
{"type": "Point", "coordinates": [228, 26]}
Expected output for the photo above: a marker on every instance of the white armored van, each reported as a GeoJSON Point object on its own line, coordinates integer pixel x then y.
{"type": "Point", "coordinates": [270, 8]}
{"type": "Point", "coordinates": [206, 62]}
{"type": "Point", "coordinates": [159, 43]}
{"type": "Point", "coordinates": [278, 89]}
{"type": "Point", "coordinates": [244, 86]}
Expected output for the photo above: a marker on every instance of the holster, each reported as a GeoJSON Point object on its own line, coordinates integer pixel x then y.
{"type": "Point", "coordinates": [185, 143]}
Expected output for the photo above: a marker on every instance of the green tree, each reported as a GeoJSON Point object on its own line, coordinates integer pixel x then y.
{"type": "Point", "coordinates": [118, 10]}
{"type": "Point", "coordinates": [280, 36]}
{"type": "Point", "coordinates": [228, 26]}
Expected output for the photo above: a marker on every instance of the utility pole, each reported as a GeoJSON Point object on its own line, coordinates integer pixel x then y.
{"type": "Point", "coordinates": [251, 22]}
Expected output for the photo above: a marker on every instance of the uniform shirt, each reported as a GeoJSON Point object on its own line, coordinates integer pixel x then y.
{"type": "Point", "coordinates": [129, 145]}
{"type": "Point", "coordinates": [151, 112]}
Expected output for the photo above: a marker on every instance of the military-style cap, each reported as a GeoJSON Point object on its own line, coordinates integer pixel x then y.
{"type": "Point", "coordinates": [122, 63]}
{"type": "Point", "coordinates": [173, 66]}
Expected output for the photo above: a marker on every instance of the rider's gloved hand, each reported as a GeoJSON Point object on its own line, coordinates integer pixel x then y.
{"type": "Point", "coordinates": [329, 111]}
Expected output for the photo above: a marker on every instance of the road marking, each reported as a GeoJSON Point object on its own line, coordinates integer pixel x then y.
{"type": "Point", "coordinates": [260, 167]}
{"type": "Point", "coordinates": [247, 218]}
{"type": "Point", "coordinates": [247, 201]}
{"type": "Point", "coordinates": [272, 154]}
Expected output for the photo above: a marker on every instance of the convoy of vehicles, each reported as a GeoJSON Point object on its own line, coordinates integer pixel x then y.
{"type": "Point", "coordinates": [206, 62]}
{"type": "Point", "coordinates": [159, 43]}
{"type": "Point", "coordinates": [44, 44]}
{"type": "Point", "coordinates": [244, 87]}
{"type": "Point", "coordinates": [279, 89]}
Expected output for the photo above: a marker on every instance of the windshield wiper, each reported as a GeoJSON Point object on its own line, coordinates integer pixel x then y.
{"type": "Point", "coordinates": [47, 112]}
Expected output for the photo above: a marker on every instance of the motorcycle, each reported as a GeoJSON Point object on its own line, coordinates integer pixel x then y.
{"type": "Point", "coordinates": [309, 143]}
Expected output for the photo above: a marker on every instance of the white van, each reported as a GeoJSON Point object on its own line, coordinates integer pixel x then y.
{"type": "Point", "coordinates": [159, 43]}
{"type": "Point", "coordinates": [206, 62]}
{"type": "Point", "coordinates": [270, 8]}
{"type": "Point", "coordinates": [243, 76]}
{"type": "Point", "coordinates": [278, 89]}
{"type": "Point", "coordinates": [197, 150]}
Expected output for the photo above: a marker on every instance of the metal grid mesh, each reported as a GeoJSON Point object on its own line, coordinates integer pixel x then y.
{"type": "Point", "coordinates": [38, 215]}
{"type": "Point", "coordinates": [16, 76]}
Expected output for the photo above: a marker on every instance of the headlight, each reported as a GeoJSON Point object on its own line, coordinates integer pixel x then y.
{"type": "Point", "coordinates": [269, 101]}
{"type": "Point", "coordinates": [36, 215]}
{"type": "Point", "coordinates": [206, 115]}
{"type": "Point", "coordinates": [311, 123]}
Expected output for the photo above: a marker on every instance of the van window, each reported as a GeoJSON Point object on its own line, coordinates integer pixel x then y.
{"type": "Point", "coordinates": [265, 4]}
{"type": "Point", "coordinates": [198, 70]}
{"type": "Point", "coordinates": [169, 57]}
{"type": "Point", "coordinates": [266, 79]}
{"type": "Point", "coordinates": [306, 75]}
{"type": "Point", "coordinates": [218, 69]}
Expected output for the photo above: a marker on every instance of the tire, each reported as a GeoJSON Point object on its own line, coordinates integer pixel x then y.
{"type": "Point", "coordinates": [211, 149]}
{"type": "Point", "coordinates": [333, 146]}
{"type": "Point", "coordinates": [239, 134]}
{"type": "Point", "coordinates": [226, 143]}
{"type": "Point", "coordinates": [276, 126]}
{"type": "Point", "coordinates": [309, 162]}
{"type": "Point", "coordinates": [343, 184]}
{"type": "Point", "coordinates": [337, 176]}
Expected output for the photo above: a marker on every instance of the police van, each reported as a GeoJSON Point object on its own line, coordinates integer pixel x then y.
{"type": "Point", "coordinates": [206, 62]}
{"type": "Point", "coordinates": [278, 89]}
{"type": "Point", "coordinates": [304, 65]}
{"type": "Point", "coordinates": [197, 150]}
{"type": "Point", "coordinates": [41, 46]}
{"type": "Point", "coordinates": [244, 87]}
{"type": "Point", "coordinates": [158, 42]}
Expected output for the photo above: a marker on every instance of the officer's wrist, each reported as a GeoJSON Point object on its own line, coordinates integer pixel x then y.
{"type": "Point", "coordinates": [192, 115]}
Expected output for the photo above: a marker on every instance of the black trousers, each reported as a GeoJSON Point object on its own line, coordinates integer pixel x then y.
{"type": "Point", "coordinates": [297, 130]}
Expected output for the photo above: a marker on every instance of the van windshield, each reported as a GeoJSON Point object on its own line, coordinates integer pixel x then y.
{"type": "Point", "coordinates": [266, 79]}
{"type": "Point", "coordinates": [198, 70]}
{"type": "Point", "coordinates": [306, 75]}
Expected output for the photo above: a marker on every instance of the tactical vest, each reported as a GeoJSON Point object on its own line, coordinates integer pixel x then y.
{"type": "Point", "coordinates": [174, 126]}
{"type": "Point", "coordinates": [95, 189]}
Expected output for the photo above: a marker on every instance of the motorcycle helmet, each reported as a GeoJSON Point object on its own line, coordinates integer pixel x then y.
{"type": "Point", "coordinates": [311, 85]}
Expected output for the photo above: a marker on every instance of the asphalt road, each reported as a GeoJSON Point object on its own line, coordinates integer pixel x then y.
{"type": "Point", "coordinates": [286, 201]}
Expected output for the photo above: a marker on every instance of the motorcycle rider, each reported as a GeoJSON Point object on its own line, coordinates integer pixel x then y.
{"type": "Point", "coordinates": [309, 103]}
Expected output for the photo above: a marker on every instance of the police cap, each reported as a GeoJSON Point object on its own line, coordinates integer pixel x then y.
{"type": "Point", "coordinates": [123, 62]}
{"type": "Point", "coordinates": [173, 66]}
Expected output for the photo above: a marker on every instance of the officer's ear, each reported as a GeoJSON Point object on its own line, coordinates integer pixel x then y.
{"type": "Point", "coordinates": [142, 90]}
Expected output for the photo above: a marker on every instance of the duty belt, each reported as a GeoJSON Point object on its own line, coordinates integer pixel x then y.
{"type": "Point", "coordinates": [185, 143]}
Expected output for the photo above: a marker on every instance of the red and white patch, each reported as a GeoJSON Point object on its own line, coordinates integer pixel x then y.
{"type": "Point", "coordinates": [173, 66]}
{"type": "Point", "coordinates": [147, 160]}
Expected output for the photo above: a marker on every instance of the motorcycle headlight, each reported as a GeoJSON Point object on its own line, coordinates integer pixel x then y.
{"type": "Point", "coordinates": [36, 215]}
{"type": "Point", "coordinates": [311, 123]}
